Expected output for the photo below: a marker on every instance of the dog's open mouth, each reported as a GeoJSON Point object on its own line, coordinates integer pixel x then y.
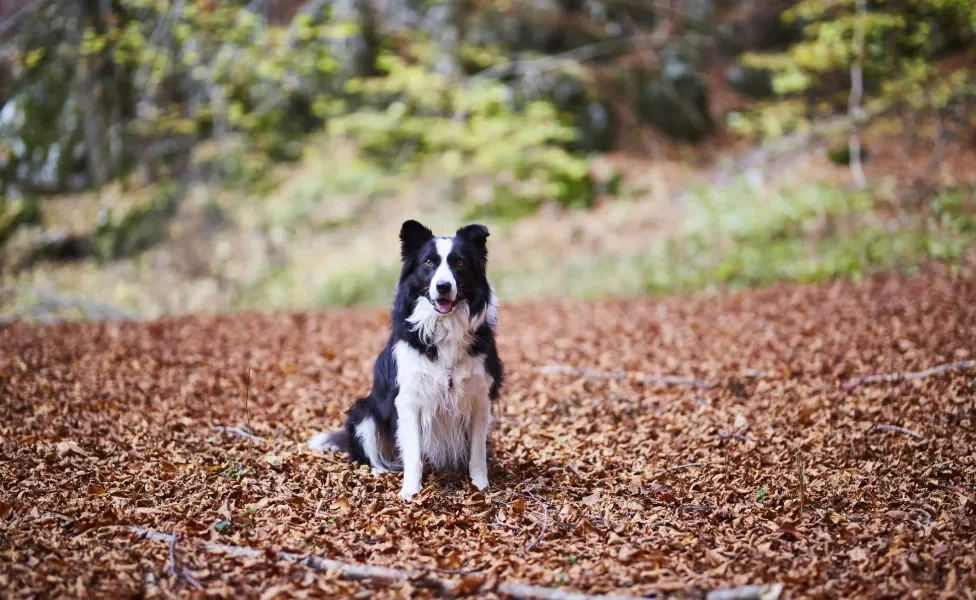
{"type": "Point", "coordinates": [443, 305]}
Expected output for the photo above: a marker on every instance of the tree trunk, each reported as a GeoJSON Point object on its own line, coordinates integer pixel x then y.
{"type": "Point", "coordinates": [87, 96]}
{"type": "Point", "coordinates": [357, 53]}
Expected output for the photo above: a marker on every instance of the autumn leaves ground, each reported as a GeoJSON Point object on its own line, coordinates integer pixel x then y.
{"type": "Point", "coordinates": [757, 461]}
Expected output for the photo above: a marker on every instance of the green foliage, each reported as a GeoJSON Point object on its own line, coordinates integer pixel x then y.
{"type": "Point", "coordinates": [901, 41]}
{"type": "Point", "coordinates": [466, 132]}
{"type": "Point", "coordinates": [223, 526]}
{"type": "Point", "coordinates": [743, 237]}
{"type": "Point", "coordinates": [359, 286]}
{"type": "Point", "coordinates": [17, 213]}
{"type": "Point", "coordinates": [139, 228]}
{"type": "Point", "coordinates": [955, 210]}
{"type": "Point", "coordinates": [162, 75]}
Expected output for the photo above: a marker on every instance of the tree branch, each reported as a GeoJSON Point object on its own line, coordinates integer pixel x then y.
{"type": "Point", "coordinates": [356, 571]}
{"type": "Point", "coordinates": [14, 20]}
{"type": "Point", "coordinates": [912, 375]}
{"type": "Point", "coordinates": [545, 523]}
{"type": "Point", "coordinates": [676, 468]}
{"type": "Point", "coordinates": [748, 592]}
{"type": "Point", "coordinates": [662, 380]}
{"type": "Point", "coordinates": [240, 432]}
{"type": "Point", "coordinates": [179, 573]}
{"type": "Point", "coordinates": [917, 436]}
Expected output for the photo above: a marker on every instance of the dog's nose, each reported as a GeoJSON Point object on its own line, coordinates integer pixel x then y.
{"type": "Point", "coordinates": [443, 287]}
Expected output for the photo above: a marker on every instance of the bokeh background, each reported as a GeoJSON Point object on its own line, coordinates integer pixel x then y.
{"type": "Point", "coordinates": [165, 157]}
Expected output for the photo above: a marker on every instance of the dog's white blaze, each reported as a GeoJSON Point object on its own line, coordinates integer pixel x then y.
{"type": "Point", "coordinates": [443, 272]}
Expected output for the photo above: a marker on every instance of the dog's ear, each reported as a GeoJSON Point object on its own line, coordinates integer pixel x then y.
{"type": "Point", "coordinates": [413, 235]}
{"type": "Point", "coordinates": [475, 234]}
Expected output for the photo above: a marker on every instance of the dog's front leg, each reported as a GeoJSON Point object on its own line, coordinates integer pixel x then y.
{"type": "Point", "coordinates": [478, 457]}
{"type": "Point", "coordinates": [408, 439]}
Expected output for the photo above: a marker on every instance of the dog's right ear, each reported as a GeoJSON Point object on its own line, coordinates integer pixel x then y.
{"type": "Point", "coordinates": [413, 235]}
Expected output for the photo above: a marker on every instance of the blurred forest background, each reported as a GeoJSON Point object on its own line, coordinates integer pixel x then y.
{"type": "Point", "coordinates": [161, 157]}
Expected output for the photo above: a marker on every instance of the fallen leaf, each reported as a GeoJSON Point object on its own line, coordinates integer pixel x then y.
{"type": "Point", "coordinates": [469, 584]}
{"type": "Point", "coordinates": [627, 553]}
{"type": "Point", "coordinates": [275, 590]}
{"type": "Point", "coordinates": [70, 447]}
{"type": "Point", "coordinates": [857, 554]}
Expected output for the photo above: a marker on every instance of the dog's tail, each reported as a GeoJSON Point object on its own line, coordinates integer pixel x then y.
{"type": "Point", "coordinates": [337, 441]}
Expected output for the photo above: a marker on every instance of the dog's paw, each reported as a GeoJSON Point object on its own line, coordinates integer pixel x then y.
{"type": "Point", "coordinates": [480, 481]}
{"type": "Point", "coordinates": [407, 491]}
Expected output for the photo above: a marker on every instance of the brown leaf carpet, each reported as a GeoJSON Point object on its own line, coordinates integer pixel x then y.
{"type": "Point", "coordinates": [774, 473]}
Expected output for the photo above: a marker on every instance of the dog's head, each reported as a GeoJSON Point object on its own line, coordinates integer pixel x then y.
{"type": "Point", "coordinates": [445, 270]}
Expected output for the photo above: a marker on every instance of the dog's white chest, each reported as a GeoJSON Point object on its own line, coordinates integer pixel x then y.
{"type": "Point", "coordinates": [445, 391]}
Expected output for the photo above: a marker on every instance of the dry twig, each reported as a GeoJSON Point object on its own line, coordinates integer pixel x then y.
{"type": "Point", "coordinates": [748, 592]}
{"type": "Point", "coordinates": [676, 468]}
{"type": "Point", "coordinates": [663, 380]}
{"type": "Point", "coordinates": [356, 571]}
{"type": "Point", "coordinates": [247, 412]}
{"type": "Point", "coordinates": [240, 432]}
{"type": "Point", "coordinates": [890, 377]}
{"type": "Point", "coordinates": [917, 436]}
{"type": "Point", "coordinates": [801, 479]}
{"type": "Point", "coordinates": [545, 523]}
{"type": "Point", "coordinates": [175, 570]}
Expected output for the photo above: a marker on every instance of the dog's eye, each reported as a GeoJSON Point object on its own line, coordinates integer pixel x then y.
{"type": "Point", "coordinates": [459, 263]}
{"type": "Point", "coordinates": [428, 263]}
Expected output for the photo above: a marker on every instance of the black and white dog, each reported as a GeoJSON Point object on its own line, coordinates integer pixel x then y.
{"type": "Point", "coordinates": [434, 382]}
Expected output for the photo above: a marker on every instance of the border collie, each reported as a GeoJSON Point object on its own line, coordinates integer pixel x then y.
{"type": "Point", "coordinates": [434, 382]}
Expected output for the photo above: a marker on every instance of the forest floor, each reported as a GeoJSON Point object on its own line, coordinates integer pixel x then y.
{"type": "Point", "coordinates": [655, 446]}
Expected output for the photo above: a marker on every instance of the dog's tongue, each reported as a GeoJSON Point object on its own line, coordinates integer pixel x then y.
{"type": "Point", "coordinates": [443, 306]}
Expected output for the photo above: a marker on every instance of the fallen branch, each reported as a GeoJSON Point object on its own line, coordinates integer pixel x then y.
{"type": "Point", "coordinates": [676, 468]}
{"type": "Point", "coordinates": [936, 370]}
{"type": "Point", "coordinates": [68, 521]}
{"type": "Point", "coordinates": [662, 380]}
{"type": "Point", "coordinates": [355, 571]}
{"type": "Point", "coordinates": [247, 413]}
{"type": "Point", "coordinates": [748, 592]}
{"type": "Point", "coordinates": [240, 432]}
{"type": "Point", "coordinates": [545, 523]}
{"type": "Point", "coordinates": [175, 570]}
{"type": "Point", "coordinates": [917, 436]}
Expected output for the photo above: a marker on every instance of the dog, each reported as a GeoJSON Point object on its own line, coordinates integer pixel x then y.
{"type": "Point", "coordinates": [436, 379]}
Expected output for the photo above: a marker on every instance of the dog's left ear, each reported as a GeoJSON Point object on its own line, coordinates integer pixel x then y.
{"type": "Point", "coordinates": [476, 234]}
